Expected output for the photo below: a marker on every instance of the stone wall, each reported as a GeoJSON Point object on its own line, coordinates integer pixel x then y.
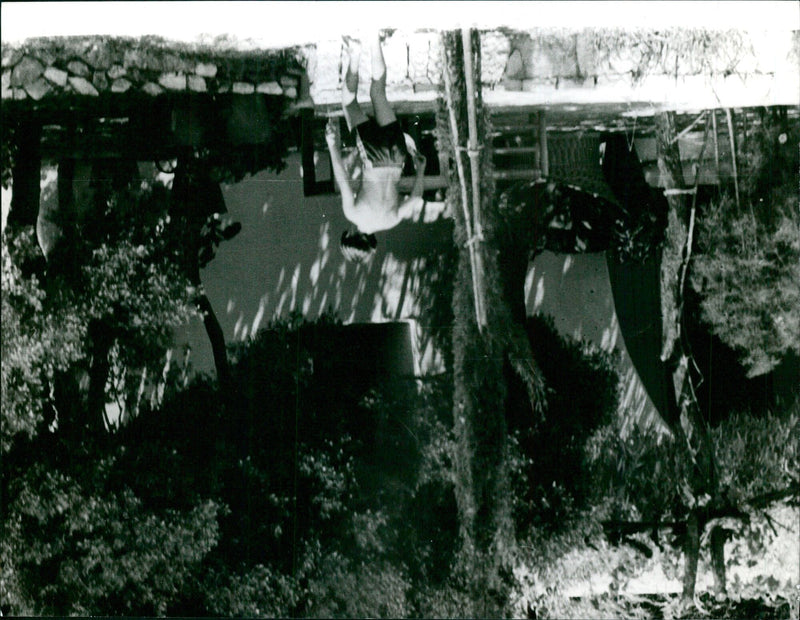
{"type": "Point", "coordinates": [40, 69]}
{"type": "Point", "coordinates": [671, 68]}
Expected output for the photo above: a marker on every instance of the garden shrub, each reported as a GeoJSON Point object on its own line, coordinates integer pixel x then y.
{"type": "Point", "coordinates": [76, 543]}
{"type": "Point", "coordinates": [747, 267]}
{"type": "Point", "coordinates": [643, 478]}
{"type": "Point", "coordinates": [550, 477]}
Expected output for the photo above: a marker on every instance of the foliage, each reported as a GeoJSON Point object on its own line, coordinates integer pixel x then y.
{"type": "Point", "coordinates": [114, 274]}
{"type": "Point", "coordinates": [756, 454]}
{"type": "Point", "coordinates": [550, 479]}
{"type": "Point", "coordinates": [8, 150]}
{"type": "Point", "coordinates": [77, 542]}
{"type": "Point", "coordinates": [307, 494]}
{"type": "Point", "coordinates": [747, 271]}
{"type": "Point", "coordinates": [644, 477]}
{"type": "Point", "coordinates": [36, 343]}
{"type": "Point", "coordinates": [674, 51]}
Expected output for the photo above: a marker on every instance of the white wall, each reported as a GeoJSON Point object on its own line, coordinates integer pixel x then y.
{"type": "Point", "coordinates": [287, 258]}
{"type": "Point", "coordinates": [576, 291]}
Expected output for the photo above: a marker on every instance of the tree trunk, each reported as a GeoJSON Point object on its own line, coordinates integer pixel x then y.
{"type": "Point", "coordinates": [717, 542]}
{"type": "Point", "coordinates": [100, 341]}
{"type": "Point", "coordinates": [481, 460]}
{"type": "Point", "coordinates": [684, 417]}
{"type": "Point", "coordinates": [26, 171]}
{"type": "Point", "coordinates": [214, 330]}
{"type": "Point", "coordinates": [187, 191]}
{"type": "Point", "coordinates": [691, 556]}
{"type": "Point", "coordinates": [26, 190]}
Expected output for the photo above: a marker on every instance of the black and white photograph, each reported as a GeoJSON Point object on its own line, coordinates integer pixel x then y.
{"type": "Point", "coordinates": [388, 309]}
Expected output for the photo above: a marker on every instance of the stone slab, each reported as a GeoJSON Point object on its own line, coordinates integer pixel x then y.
{"type": "Point", "coordinates": [100, 80]}
{"type": "Point", "coordinates": [243, 88]}
{"type": "Point", "coordinates": [38, 88]}
{"type": "Point", "coordinates": [206, 69]}
{"type": "Point", "coordinates": [7, 93]}
{"type": "Point", "coordinates": [120, 85]}
{"type": "Point", "coordinates": [173, 81]}
{"type": "Point", "coordinates": [82, 86]}
{"type": "Point", "coordinates": [196, 83]}
{"type": "Point", "coordinates": [269, 88]}
{"type": "Point", "coordinates": [26, 71]}
{"type": "Point", "coordinates": [56, 76]}
{"type": "Point", "coordinates": [116, 71]}
{"type": "Point", "coordinates": [79, 68]}
{"type": "Point", "coordinates": [152, 89]}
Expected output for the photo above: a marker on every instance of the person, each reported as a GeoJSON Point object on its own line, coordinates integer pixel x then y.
{"type": "Point", "coordinates": [377, 164]}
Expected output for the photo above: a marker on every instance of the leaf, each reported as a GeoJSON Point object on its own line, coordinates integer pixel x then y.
{"type": "Point", "coordinates": [230, 231]}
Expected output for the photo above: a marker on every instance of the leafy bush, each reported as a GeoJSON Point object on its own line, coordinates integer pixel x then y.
{"type": "Point", "coordinates": [36, 344]}
{"type": "Point", "coordinates": [643, 478]}
{"type": "Point", "coordinates": [550, 478]}
{"type": "Point", "coordinates": [75, 543]}
{"type": "Point", "coordinates": [747, 270]}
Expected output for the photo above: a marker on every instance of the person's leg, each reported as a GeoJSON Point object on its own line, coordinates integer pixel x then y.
{"type": "Point", "coordinates": [353, 113]}
{"type": "Point", "coordinates": [384, 114]}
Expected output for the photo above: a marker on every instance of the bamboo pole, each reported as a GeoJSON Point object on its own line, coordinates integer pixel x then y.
{"type": "Point", "coordinates": [732, 137]}
{"type": "Point", "coordinates": [473, 150]}
{"type": "Point", "coordinates": [463, 184]}
{"type": "Point", "coordinates": [716, 146]}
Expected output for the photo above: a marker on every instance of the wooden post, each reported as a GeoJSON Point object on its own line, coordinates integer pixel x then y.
{"type": "Point", "coordinates": [543, 156]}
{"type": "Point", "coordinates": [307, 151]}
{"type": "Point", "coordinates": [716, 146]}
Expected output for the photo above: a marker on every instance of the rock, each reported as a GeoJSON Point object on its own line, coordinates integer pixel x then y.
{"type": "Point", "coordinates": [151, 60]}
{"type": "Point", "coordinates": [79, 68]}
{"type": "Point", "coordinates": [120, 85]}
{"type": "Point", "coordinates": [26, 71]}
{"type": "Point", "coordinates": [207, 70]}
{"type": "Point", "coordinates": [586, 54]}
{"type": "Point", "coordinates": [173, 81]}
{"type": "Point", "coordinates": [56, 76]}
{"type": "Point", "coordinates": [46, 57]}
{"type": "Point", "coordinates": [243, 88]}
{"type": "Point", "coordinates": [11, 57]}
{"type": "Point", "coordinates": [7, 93]}
{"type": "Point", "coordinates": [173, 64]}
{"type": "Point", "coordinates": [269, 88]}
{"type": "Point", "coordinates": [495, 48]}
{"type": "Point", "coordinates": [422, 56]}
{"type": "Point", "coordinates": [152, 89]}
{"type": "Point", "coordinates": [20, 94]}
{"type": "Point", "coordinates": [100, 80]}
{"type": "Point", "coordinates": [116, 71]}
{"type": "Point", "coordinates": [287, 80]}
{"type": "Point", "coordinates": [290, 92]}
{"type": "Point", "coordinates": [38, 89]}
{"type": "Point", "coordinates": [515, 68]}
{"type": "Point", "coordinates": [82, 86]}
{"type": "Point", "coordinates": [132, 58]}
{"type": "Point", "coordinates": [196, 83]}
{"type": "Point", "coordinates": [99, 56]}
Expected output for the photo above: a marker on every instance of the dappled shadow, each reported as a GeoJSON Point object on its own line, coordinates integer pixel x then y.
{"type": "Point", "coordinates": [287, 259]}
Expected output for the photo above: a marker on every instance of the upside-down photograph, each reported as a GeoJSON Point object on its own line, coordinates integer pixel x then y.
{"type": "Point", "coordinates": [400, 309]}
